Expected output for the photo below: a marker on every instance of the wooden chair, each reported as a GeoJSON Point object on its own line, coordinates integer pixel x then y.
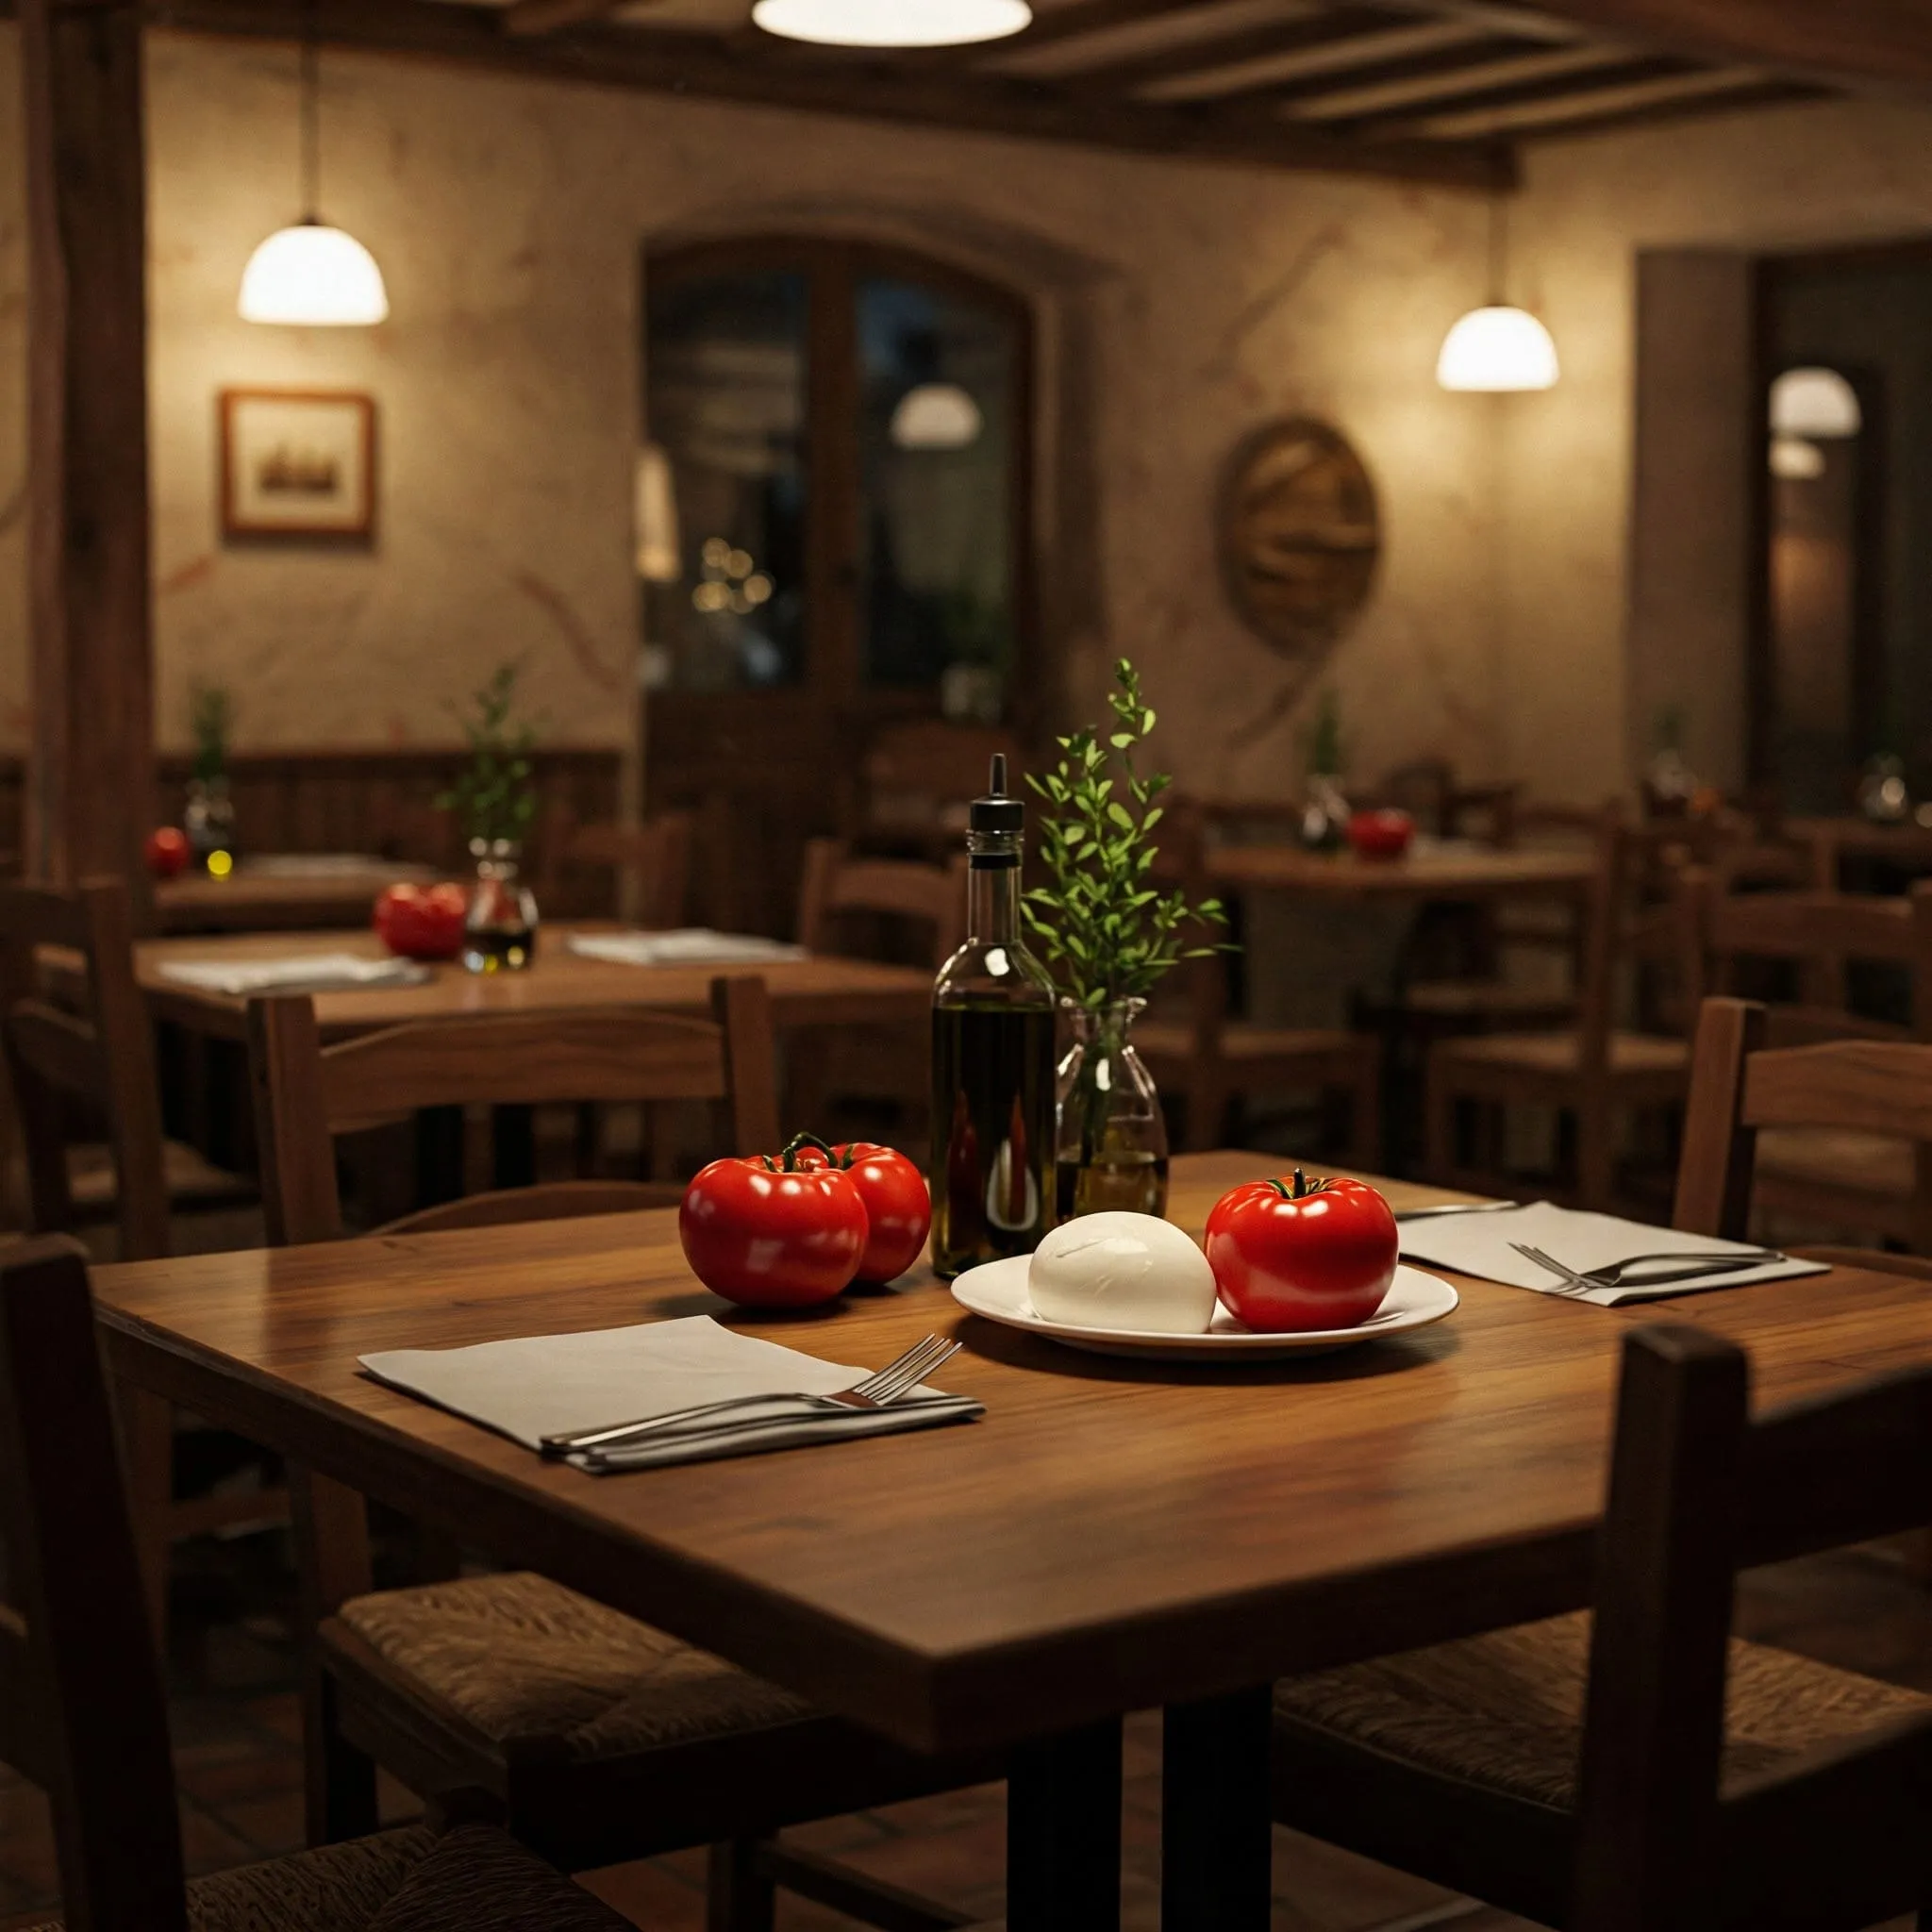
{"type": "Point", "coordinates": [602, 1739]}
{"type": "Point", "coordinates": [1596, 1071]}
{"type": "Point", "coordinates": [81, 1707]}
{"type": "Point", "coordinates": [847, 903]}
{"type": "Point", "coordinates": [1639, 1770]}
{"type": "Point", "coordinates": [914, 780]}
{"type": "Point", "coordinates": [92, 1070]}
{"type": "Point", "coordinates": [651, 861]}
{"type": "Point", "coordinates": [1862, 1179]}
{"type": "Point", "coordinates": [1209, 1060]}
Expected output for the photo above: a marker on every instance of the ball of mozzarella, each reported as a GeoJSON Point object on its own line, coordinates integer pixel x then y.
{"type": "Point", "coordinates": [1116, 1270]}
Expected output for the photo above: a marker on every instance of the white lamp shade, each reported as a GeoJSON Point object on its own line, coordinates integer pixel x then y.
{"type": "Point", "coordinates": [1814, 402]}
{"type": "Point", "coordinates": [1497, 348]}
{"type": "Point", "coordinates": [314, 276]}
{"type": "Point", "coordinates": [892, 23]}
{"type": "Point", "coordinates": [936, 415]}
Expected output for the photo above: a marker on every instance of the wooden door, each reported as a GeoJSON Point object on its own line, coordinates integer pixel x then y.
{"type": "Point", "coordinates": [833, 532]}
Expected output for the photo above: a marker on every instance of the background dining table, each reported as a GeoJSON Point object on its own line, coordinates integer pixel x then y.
{"type": "Point", "coordinates": [281, 892]}
{"type": "Point", "coordinates": [1115, 1535]}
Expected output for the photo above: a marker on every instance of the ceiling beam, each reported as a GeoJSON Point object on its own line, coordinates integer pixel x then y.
{"type": "Point", "coordinates": [1865, 43]}
{"type": "Point", "coordinates": [703, 66]}
{"type": "Point", "coordinates": [1355, 51]}
{"type": "Point", "coordinates": [1469, 78]}
{"type": "Point", "coordinates": [1595, 103]}
{"type": "Point", "coordinates": [548, 16]}
{"type": "Point", "coordinates": [1157, 42]}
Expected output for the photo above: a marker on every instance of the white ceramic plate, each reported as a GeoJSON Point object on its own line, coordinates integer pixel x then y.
{"type": "Point", "coordinates": [997, 1290]}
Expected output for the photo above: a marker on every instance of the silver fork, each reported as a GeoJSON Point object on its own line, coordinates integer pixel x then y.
{"type": "Point", "coordinates": [878, 1391]}
{"type": "Point", "coordinates": [1694, 1266]}
{"type": "Point", "coordinates": [1576, 1283]}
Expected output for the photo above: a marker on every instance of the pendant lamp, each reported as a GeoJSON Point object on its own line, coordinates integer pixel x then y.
{"type": "Point", "coordinates": [310, 273]}
{"type": "Point", "coordinates": [1498, 347]}
{"type": "Point", "coordinates": [892, 23]}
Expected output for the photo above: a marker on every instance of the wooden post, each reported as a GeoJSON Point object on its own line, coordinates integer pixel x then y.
{"type": "Point", "coordinates": [91, 768]}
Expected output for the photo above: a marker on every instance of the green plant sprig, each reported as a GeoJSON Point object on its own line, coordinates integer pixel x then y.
{"type": "Point", "coordinates": [495, 798]}
{"type": "Point", "coordinates": [1109, 932]}
{"type": "Point", "coordinates": [211, 723]}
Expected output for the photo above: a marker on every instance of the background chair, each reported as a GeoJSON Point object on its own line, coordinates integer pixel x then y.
{"type": "Point", "coordinates": [1866, 1181]}
{"type": "Point", "coordinates": [601, 1740]}
{"type": "Point", "coordinates": [84, 1094]}
{"type": "Point", "coordinates": [914, 783]}
{"type": "Point", "coordinates": [1597, 1073]}
{"type": "Point", "coordinates": [1200, 1055]}
{"type": "Point", "coordinates": [82, 1710]}
{"type": "Point", "coordinates": [1639, 1770]}
{"type": "Point", "coordinates": [898, 909]}
{"type": "Point", "coordinates": [644, 868]}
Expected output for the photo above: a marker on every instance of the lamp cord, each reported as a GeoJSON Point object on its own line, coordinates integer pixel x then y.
{"type": "Point", "coordinates": [312, 134]}
{"type": "Point", "coordinates": [1499, 249]}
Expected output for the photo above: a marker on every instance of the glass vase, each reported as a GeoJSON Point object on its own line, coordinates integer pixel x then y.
{"type": "Point", "coordinates": [500, 928]}
{"type": "Point", "coordinates": [1112, 1140]}
{"type": "Point", "coordinates": [209, 825]}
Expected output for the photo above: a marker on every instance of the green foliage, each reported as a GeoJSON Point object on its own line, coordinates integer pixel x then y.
{"type": "Point", "coordinates": [495, 798]}
{"type": "Point", "coordinates": [1108, 931]}
{"type": "Point", "coordinates": [1323, 751]}
{"type": "Point", "coordinates": [210, 722]}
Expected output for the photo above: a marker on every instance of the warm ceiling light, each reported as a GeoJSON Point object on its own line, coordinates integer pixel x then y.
{"type": "Point", "coordinates": [1814, 402]}
{"type": "Point", "coordinates": [1497, 348]}
{"type": "Point", "coordinates": [892, 23]}
{"type": "Point", "coordinates": [312, 274]}
{"type": "Point", "coordinates": [936, 415]}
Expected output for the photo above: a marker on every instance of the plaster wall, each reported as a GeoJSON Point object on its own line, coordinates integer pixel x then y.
{"type": "Point", "coordinates": [1589, 656]}
{"type": "Point", "coordinates": [1184, 305]}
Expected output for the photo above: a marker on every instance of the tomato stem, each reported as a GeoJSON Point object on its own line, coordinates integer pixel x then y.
{"type": "Point", "coordinates": [798, 1141]}
{"type": "Point", "coordinates": [1302, 1188]}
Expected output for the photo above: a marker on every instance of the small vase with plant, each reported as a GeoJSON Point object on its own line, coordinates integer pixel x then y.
{"type": "Point", "coordinates": [495, 798]}
{"type": "Point", "coordinates": [1109, 931]}
{"type": "Point", "coordinates": [1324, 806]}
{"type": "Point", "coordinates": [210, 819]}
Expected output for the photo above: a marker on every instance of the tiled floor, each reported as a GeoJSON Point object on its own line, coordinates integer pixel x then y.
{"type": "Point", "coordinates": [240, 1767]}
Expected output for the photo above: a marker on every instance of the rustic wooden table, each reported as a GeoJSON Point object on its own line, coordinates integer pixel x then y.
{"type": "Point", "coordinates": [804, 991]}
{"type": "Point", "coordinates": [263, 897]}
{"type": "Point", "coordinates": [1458, 871]}
{"type": "Point", "coordinates": [1111, 1537]}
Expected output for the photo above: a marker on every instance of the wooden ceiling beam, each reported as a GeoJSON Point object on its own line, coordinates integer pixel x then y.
{"type": "Point", "coordinates": [549, 16]}
{"type": "Point", "coordinates": [1461, 82]}
{"type": "Point", "coordinates": [1594, 102]}
{"type": "Point", "coordinates": [702, 66]}
{"type": "Point", "coordinates": [1351, 53]}
{"type": "Point", "coordinates": [1123, 73]}
{"type": "Point", "coordinates": [1867, 44]}
{"type": "Point", "coordinates": [1159, 38]}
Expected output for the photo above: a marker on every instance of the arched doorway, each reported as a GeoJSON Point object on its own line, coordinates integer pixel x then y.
{"type": "Point", "coordinates": [835, 530]}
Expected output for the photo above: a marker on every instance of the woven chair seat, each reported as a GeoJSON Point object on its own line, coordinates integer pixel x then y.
{"type": "Point", "coordinates": [524, 1661]}
{"type": "Point", "coordinates": [1504, 1711]}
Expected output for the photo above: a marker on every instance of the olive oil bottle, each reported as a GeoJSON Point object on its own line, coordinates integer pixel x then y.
{"type": "Point", "coordinates": [992, 1060]}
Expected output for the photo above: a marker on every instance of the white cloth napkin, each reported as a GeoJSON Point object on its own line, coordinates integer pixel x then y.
{"type": "Point", "coordinates": [308, 973]}
{"type": "Point", "coordinates": [552, 1384]}
{"type": "Point", "coordinates": [1479, 1244]}
{"type": "Point", "coordinates": [695, 945]}
{"type": "Point", "coordinates": [323, 865]}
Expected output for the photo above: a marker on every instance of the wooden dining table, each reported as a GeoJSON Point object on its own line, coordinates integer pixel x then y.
{"type": "Point", "coordinates": [292, 894]}
{"type": "Point", "coordinates": [1114, 1535]}
{"type": "Point", "coordinates": [818, 989]}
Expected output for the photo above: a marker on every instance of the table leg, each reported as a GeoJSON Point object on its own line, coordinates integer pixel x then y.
{"type": "Point", "coordinates": [1063, 1833]}
{"type": "Point", "coordinates": [1216, 1830]}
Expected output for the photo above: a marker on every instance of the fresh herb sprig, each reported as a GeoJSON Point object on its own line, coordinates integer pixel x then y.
{"type": "Point", "coordinates": [1109, 931]}
{"type": "Point", "coordinates": [211, 723]}
{"type": "Point", "coordinates": [495, 798]}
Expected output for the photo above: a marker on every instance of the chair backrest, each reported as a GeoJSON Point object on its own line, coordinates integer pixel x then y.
{"type": "Point", "coordinates": [836, 883]}
{"type": "Point", "coordinates": [304, 1092]}
{"type": "Point", "coordinates": [1739, 1085]}
{"type": "Point", "coordinates": [81, 1707]}
{"type": "Point", "coordinates": [1817, 932]}
{"type": "Point", "coordinates": [65, 1065]}
{"type": "Point", "coordinates": [918, 773]}
{"type": "Point", "coordinates": [1697, 1492]}
{"type": "Point", "coordinates": [653, 856]}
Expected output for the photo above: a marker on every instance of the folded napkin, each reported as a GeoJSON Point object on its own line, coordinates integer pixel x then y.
{"type": "Point", "coordinates": [695, 945]}
{"type": "Point", "coordinates": [553, 1385]}
{"type": "Point", "coordinates": [309, 973]}
{"type": "Point", "coordinates": [324, 865]}
{"type": "Point", "coordinates": [1479, 1244]}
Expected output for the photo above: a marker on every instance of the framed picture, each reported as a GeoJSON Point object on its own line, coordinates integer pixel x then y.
{"type": "Point", "coordinates": [298, 463]}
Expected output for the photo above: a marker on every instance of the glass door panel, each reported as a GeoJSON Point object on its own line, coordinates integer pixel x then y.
{"type": "Point", "coordinates": [939, 411]}
{"type": "Point", "coordinates": [723, 487]}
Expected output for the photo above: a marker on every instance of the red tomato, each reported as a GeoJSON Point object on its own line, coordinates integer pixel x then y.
{"type": "Point", "coordinates": [167, 852]}
{"type": "Point", "coordinates": [422, 922]}
{"type": "Point", "coordinates": [1380, 834]}
{"type": "Point", "coordinates": [897, 1206]}
{"type": "Point", "coordinates": [1288, 1257]}
{"type": "Point", "coordinates": [772, 1232]}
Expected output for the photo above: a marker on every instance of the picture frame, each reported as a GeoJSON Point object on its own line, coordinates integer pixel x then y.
{"type": "Point", "coordinates": [298, 464]}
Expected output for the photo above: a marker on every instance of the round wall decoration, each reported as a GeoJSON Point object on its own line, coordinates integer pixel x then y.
{"type": "Point", "coordinates": [1299, 534]}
